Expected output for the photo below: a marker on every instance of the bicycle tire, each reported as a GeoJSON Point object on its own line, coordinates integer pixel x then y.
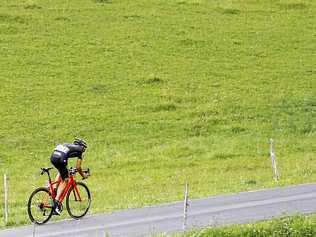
{"type": "Point", "coordinates": [84, 192]}
{"type": "Point", "coordinates": [40, 206]}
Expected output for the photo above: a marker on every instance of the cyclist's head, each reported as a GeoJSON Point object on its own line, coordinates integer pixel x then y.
{"type": "Point", "coordinates": [81, 142]}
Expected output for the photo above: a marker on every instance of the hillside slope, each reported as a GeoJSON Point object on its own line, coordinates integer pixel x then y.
{"type": "Point", "coordinates": [163, 91]}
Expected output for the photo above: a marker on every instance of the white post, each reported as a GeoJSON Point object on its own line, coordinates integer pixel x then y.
{"type": "Point", "coordinates": [5, 184]}
{"type": "Point", "coordinates": [273, 160]}
{"type": "Point", "coordinates": [186, 204]}
{"type": "Point", "coordinates": [34, 230]}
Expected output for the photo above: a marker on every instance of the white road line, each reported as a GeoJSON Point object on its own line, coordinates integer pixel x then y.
{"type": "Point", "coordinates": [192, 213]}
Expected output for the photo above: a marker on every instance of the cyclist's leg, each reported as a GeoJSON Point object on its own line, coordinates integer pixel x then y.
{"type": "Point", "coordinates": [61, 188]}
{"type": "Point", "coordinates": [55, 160]}
{"type": "Point", "coordinates": [55, 186]}
{"type": "Point", "coordinates": [61, 165]}
{"type": "Point", "coordinates": [64, 181]}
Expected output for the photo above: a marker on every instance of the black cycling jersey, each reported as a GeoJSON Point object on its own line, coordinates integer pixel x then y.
{"type": "Point", "coordinates": [68, 150]}
{"type": "Point", "coordinates": [61, 154]}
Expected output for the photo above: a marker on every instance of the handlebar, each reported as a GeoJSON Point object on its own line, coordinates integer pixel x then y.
{"type": "Point", "coordinates": [73, 171]}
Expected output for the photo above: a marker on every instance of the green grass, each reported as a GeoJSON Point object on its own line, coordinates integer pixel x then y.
{"type": "Point", "coordinates": [286, 227]}
{"type": "Point", "coordinates": [163, 91]}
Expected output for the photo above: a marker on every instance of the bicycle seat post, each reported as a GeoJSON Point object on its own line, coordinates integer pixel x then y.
{"type": "Point", "coordinates": [49, 178]}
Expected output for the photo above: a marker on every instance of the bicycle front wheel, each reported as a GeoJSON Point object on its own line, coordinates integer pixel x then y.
{"type": "Point", "coordinates": [40, 206]}
{"type": "Point", "coordinates": [78, 202]}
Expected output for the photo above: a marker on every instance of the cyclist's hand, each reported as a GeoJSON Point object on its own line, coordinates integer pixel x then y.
{"type": "Point", "coordinates": [85, 176]}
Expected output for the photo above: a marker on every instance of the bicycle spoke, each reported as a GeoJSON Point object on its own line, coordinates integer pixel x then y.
{"type": "Point", "coordinates": [78, 203]}
{"type": "Point", "coordinates": [40, 206]}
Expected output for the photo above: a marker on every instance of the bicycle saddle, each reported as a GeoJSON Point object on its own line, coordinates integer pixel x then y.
{"type": "Point", "coordinates": [46, 170]}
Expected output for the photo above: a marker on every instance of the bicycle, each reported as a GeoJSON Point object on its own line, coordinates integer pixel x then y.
{"type": "Point", "coordinates": [41, 201]}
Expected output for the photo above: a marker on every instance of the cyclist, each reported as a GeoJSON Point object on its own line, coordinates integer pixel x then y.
{"type": "Point", "coordinates": [59, 159]}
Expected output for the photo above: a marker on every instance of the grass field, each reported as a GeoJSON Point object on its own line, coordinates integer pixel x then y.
{"type": "Point", "coordinates": [297, 226]}
{"type": "Point", "coordinates": [163, 91]}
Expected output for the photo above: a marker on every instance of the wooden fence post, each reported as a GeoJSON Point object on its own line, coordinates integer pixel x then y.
{"type": "Point", "coordinates": [186, 204]}
{"type": "Point", "coordinates": [6, 196]}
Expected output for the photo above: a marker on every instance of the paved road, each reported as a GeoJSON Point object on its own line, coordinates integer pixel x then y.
{"type": "Point", "coordinates": [218, 210]}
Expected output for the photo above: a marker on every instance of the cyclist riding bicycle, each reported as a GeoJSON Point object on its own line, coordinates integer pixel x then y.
{"type": "Point", "coordinates": [59, 159]}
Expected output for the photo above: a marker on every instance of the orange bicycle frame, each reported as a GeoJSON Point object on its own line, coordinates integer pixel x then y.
{"type": "Point", "coordinates": [71, 183]}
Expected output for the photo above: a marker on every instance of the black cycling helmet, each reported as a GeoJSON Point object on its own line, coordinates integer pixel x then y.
{"type": "Point", "coordinates": [80, 142]}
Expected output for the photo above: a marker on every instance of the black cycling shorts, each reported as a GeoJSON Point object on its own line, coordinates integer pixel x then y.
{"type": "Point", "coordinates": [61, 165]}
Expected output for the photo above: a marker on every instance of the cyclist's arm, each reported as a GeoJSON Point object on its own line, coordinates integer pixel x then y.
{"type": "Point", "coordinates": [79, 169]}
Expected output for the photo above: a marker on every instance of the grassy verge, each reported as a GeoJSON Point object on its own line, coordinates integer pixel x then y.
{"type": "Point", "coordinates": [163, 91]}
{"type": "Point", "coordinates": [286, 227]}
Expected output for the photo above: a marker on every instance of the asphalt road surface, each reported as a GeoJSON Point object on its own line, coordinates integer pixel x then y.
{"type": "Point", "coordinates": [168, 218]}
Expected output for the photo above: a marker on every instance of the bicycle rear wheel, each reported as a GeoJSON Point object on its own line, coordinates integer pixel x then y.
{"type": "Point", "coordinates": [78, 203]}
{"type": "Point", "coordinates": [39, 206]}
